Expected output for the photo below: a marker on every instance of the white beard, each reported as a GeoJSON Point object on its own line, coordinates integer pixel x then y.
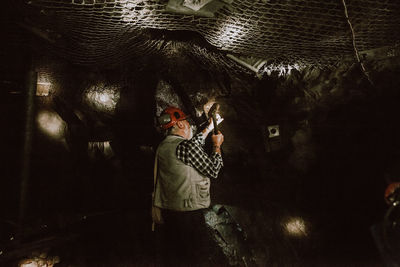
{"type": "Point", "coordinates": [190, 134]}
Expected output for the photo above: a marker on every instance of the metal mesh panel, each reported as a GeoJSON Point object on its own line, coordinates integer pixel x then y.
{"type": "Point", "coordinates": [282, 31]}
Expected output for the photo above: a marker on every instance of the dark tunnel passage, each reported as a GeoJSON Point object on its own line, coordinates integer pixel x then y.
{"type": "Point", "coordinates": [311, 135]}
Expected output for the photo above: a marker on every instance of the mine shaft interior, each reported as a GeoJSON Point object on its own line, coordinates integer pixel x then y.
{"type": "Point", "coordinates": [309, 92]}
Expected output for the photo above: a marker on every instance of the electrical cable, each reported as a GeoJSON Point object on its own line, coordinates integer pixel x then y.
{"type": "Point", "coordinates": [354, 44]}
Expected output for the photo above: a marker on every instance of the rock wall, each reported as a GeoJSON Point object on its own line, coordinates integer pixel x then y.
{"type": "Point", "coordinates": [307, 155]}
{"type": "Point", "coordinates": [337, 150]}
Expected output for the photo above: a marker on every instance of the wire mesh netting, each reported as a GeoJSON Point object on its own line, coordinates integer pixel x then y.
{"type": "Point", "coordinates": [280, 31]}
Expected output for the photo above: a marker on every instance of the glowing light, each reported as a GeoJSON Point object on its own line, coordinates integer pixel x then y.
{"type": "Point", "coordinates": [102, 98]}
{"type": "Point", "coordinates": [44, 84]}
{"type": "Point", "coordinates": [229, 32]}
{"type": "Point", "coordinates": [296, 227]}
{"type": "Point", "coordinates": [282, 70]}
{"type": "Point", "coordinates": [102, 148]}
{"type": "Point", "coordinates": [130, 14]}
{"type": "Point", "coordinates": [43, 89]}
{"type": "Point", "coordinates": [51, 124]}
{"type": "Point", "coordinates": [30, 263]}
{"type": "Point", "coordinates": [40, 261]}
{"type": "Point", "coordinates": [195, 5]}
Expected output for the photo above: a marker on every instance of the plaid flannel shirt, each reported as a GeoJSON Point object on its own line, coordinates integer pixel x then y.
{"type": "Point", "coordinates": [192, 153]}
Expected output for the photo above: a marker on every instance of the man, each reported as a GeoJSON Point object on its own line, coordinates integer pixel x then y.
{"type": "Point", "coordinates": [182, 187]}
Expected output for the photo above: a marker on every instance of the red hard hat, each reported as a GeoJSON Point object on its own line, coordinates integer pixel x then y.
{"type": "Point", "coordinates": [391, 192]}
{"type": "Point", "coordinates": [170, 116]}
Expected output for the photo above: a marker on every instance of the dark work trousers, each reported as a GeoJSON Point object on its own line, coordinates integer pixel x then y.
{"type": "Point", "coordinates": [187, 241]}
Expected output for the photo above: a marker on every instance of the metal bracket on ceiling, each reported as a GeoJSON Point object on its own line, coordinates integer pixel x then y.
{"type": "Point", "coordinates": [252, 63]}
{"type": "Point", "coordinates": [201, 8]}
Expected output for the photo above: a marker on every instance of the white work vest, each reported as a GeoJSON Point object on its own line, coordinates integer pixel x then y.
{"type": "Point", "coordinates": [179, 187]}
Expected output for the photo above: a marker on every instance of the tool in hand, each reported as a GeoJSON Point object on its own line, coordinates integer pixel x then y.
{"type": "Point", "coordinates": [214, 110]}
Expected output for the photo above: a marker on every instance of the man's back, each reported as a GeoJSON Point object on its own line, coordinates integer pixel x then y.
{"type": "Point", "coordinates": [179, 186]}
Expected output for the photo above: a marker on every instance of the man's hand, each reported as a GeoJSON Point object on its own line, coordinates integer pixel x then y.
{"type": "Point", "coordinates": [211, 123]}
{"type": "Point", "coordinates": [217, 140]}
{"type": "Point", "coordinates": [156, 215]}
{"type": "Point", "coordinates": [210, 126]}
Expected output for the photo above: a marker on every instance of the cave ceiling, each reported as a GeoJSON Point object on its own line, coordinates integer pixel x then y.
{"type": "Point", "coordinates": [90, 32]}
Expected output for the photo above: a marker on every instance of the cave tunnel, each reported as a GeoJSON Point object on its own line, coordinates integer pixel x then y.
{"type": "Point", "coordinates": [308, 90]}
